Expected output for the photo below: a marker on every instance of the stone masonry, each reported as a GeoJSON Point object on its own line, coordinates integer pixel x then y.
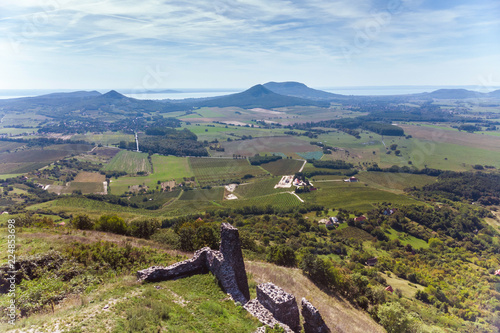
{"type": "Point", "coordinates": [280, 303]}
{"type": "Point", "coordinates": [313, 322]}
{"type": "Point", "coordinates": [227, 265]}
{"type": "Point", "coordinates": [272, 306]}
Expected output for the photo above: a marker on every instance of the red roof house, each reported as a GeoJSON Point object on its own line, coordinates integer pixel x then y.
{"type": "Point", "coordinates": [360, 218]}
{"type": "Point", "coordinates": [389, 288]}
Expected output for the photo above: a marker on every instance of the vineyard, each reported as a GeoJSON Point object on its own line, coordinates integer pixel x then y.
{"type": "Point", "coordinates": [283, 167]}
{"type": "Point", "coordinates": [279, 200]}
{"type": "Point", "coordinates": [130, 162]}
{"type": "Point", "coordinates": [311, 155]}
{"type": "Point", "coordinates": [218, 171]}
{"type": "Point", "coordinates": [257, 189]}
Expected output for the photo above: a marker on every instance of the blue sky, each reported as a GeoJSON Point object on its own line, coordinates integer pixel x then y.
{"type": "Point", "coordinates": [152, 44]}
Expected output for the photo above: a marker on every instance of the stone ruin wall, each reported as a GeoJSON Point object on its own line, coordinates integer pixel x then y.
{"type": "Point", "coordinates": [272, 306]}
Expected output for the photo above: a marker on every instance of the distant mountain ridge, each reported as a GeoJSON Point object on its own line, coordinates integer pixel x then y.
{"type": "Point", "coordinates": [258, 96]}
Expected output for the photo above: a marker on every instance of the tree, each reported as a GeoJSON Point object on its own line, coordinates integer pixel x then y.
{"type": "Point", "coordinates": [395, 319]}
{"type": "Point", "coordinates": [282, 255]}
{"type": "Point", "coordinates": [112, 224]}
{"type": "Point", "coordinates": [144, 228]}
{"type": "Point", "coordinates": [82, 222]}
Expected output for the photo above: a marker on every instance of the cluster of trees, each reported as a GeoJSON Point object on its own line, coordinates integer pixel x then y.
{"type": "Point", "coordinates": [335, 164]}
{"type": "Point", "coordinates": [144, 228]}
{"type": "Point", "coordinates": [258, 159]}
{"type": "Point", "coordinates": [178, 143]}
{"type": "Point", "coordinates": [483, 188]}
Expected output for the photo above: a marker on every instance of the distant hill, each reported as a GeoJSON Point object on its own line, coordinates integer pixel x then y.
{"type": "Point", "coordinates": [495, 93]}
{"type": "Point", "coordinates": [297, 89]}
{"type": "Point", "coordinates": [63, 104]}
{"type": "Point", "coordinates": [74, 94]}
{"type": "Point", "coordinates": [453, 94]}
{"type": "Point", "coordinates": [258, 97]}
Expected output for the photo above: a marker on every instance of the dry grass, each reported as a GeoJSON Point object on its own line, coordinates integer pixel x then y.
{"type": "Point", "coordinates": [338, 314]}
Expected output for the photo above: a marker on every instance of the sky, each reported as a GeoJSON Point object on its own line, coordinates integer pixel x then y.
{"type": "Point", "coordinates": [155, 44]}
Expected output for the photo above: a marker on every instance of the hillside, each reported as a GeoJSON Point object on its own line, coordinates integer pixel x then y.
{"type": "Point", "coordinates": [258, 97]}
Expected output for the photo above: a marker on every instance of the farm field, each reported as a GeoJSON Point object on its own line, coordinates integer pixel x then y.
{"type": "Point", "coordinates": [6, 146]}
{"type": "Point", "coordinates": [165, 168]}
{"type": "Point", "coordinates": [478, 141]}
{"type": "Point", "coordinates": [218, 171]}
{"type": "Point", "coordinates": [353, 196]}
{"type": "Point", "coordinates": [259, 188]}
{"type": "Point", "coordinates": [106, 139]}
{"type": "Point", "coordinates": [278, 200]}
{"type": "Point", "coordinates": [283, 167]}
{"type": "Point", "coordinates": [171, 167]}
{"type": "Point", "coordinates": [213, 194]}
{"type": "Point", "coordinates": [130, 162]}
{"type": "Point", "coordinates": [32, 159]}
{"type": "Point", "coordinates": [89, 177]}
{"type": "Point", "coordinates": [283, 144]}
{"type": "Point", "coordinates": [394, 182]}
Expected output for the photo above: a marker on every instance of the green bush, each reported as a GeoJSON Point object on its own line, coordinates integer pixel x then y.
{"type": "Point", "coordinates": [395, 319]}
{"type": "Point", "coordinates": [112, 224]}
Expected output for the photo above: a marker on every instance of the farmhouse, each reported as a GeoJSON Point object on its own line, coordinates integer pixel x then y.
{"type": "Point", "coordinates": [360, 218]}
{"type": "Point", "coordinates": [351, 180]}
{"type": "Point", "coordinates": [497, 272]}
{"type": "Point", "coordinates": [371, 261]}
{"type": "Point", "coordinates": [389, 289]}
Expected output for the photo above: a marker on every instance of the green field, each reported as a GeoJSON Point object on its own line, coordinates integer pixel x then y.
{"type": "Point", "coordinates": [283, 167]}
{"type": "Point", "coordinates": [396, 182]}
{"type": "Point", "coordinates": [218, 171]}
{"type": "Point", "coordinates": [353, 196]}
{"type": "Point", "coordinates": [260, 188]}
{"type": "Point", "coordinates": [279, 200]}
{"type": "Point", "coordinates": [213, 194]}
{"type": "Point", "coordinates": [165, 168]}
{"type": "Point", "coordinates": [171, 167]}
{"type": "Point", "coordinates": [405, 239]}
{"type": "Point", "coordinates": [130, 162]}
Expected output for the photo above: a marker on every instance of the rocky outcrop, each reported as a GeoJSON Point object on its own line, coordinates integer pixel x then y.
{"type": "Point", "coordinates": [313, 322]}
{"type": "Point", "coordinates": [227, 265]}
{"type": "Point", "coordinates": [281, 304]}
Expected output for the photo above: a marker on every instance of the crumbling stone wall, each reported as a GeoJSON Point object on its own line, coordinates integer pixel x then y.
{"type": "Point", "coordinates": [281, 304]}
{"type": "Point", "coordinates": [272, 306]}
{"type": "Point", "coordinates": [313, 322]}
{"type": "Point", "coordinates": [227, 265]}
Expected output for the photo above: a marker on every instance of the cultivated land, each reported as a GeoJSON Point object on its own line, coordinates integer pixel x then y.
{"type": "Point", "coordinates": [130, 162]}
{"type": "Point", "coordinates": [213, 171]}
{"type": "Point", "coordinates": [287, 145]}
